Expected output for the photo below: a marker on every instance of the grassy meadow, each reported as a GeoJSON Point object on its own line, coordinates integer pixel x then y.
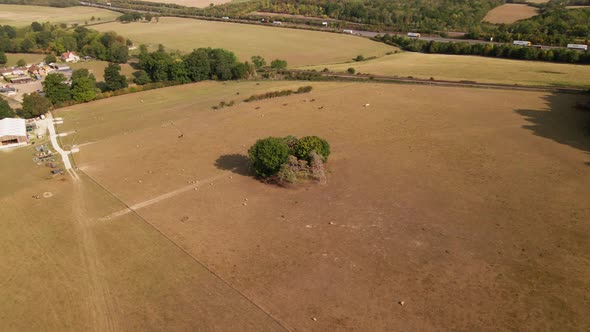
{"type": "Point", "coordinates": [28, 57]}
{"type": "Point", "coordinates": [472, 68]}
{"type": "Point", "coordinates": [97, 67]}
{"type": "Point", "coordinates": [17, 15]}
{"type": "Point", "coordinates": [298, 47]}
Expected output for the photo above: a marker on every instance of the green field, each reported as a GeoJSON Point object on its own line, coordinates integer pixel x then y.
{"type": "Point", "coordinates": [97, 67]}
{"type": "Point", "coordinates": [17, 15]}
{"type": "Point", "coordinates": [29, 58]}
{"type": "Point", "coordinates": [472, 68]}
{"type": "Point", "coordinates": [298, 47]}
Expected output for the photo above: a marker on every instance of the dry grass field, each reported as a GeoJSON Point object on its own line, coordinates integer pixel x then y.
{"type": "Point", "coordinates": [29, 58]}
{"type": "Point", "coordinates": [97, 68]}
{"type": "Point", "coordinates": [510, 13]}
{"type": "Point", "coordinates": [298, 47]}
{"type": "Point", "coordinates": [465, 205]}
{"type": "Point", "coordinates": [17, 15]}
{"type": "Point", "coordinates": [472, 68]}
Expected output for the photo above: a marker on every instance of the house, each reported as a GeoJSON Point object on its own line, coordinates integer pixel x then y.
{"type": "Point", "coordinates": [13, 132]}
{"type": "Point", "coordinates": [70, 57]}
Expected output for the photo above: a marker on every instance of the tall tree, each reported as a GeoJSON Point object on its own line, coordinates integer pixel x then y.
{"type": "Point", "coordinates": [34, 105]}
{"type": "Point", "coordinates": [113, 78]}
{"type": "Point", "coordinates": [3, 58]}
{"type": "Point", "coordinates": [197, 65]}
{"type": "Point", "coordinates": [56, 89]}
{"type": "Point", "coordinates": [5, 110]}
{"type": "Point", "coordinates": [83, 85]}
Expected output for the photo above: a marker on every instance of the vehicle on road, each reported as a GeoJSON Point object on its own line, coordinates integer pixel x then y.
{"type": "Point", "coordinates": [413, 34]}
{"type": "Point", "coordinates": [522, 43]}
{"type": "Point", "coordinates": [577, 47]}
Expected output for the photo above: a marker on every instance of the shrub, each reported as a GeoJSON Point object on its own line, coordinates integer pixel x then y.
{"type": "Point", "coordinates": [268, 155]}
{"type": "Point", "coordinates": [308, 144]}
{"type": "Point", "coordinates": [351, 70]}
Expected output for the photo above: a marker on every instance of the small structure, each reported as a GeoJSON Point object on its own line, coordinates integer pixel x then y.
{"type": "Point", "coordinates": [70, 57]}
{"type": "Point", "coordinates": [325, 24]}
{"type": "Point", "coordinates": [13, 132]}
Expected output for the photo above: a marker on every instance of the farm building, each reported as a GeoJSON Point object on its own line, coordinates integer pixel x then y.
{"type": "Point", "coordinates": [13, 132]}
{"type": "Point", "coordinates": [70, 57]}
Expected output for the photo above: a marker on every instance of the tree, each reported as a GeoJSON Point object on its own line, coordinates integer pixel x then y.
{"type": "Point", "coordinates": [141, 77]}
{"type": "Point", "coordinates": [5, 110]}
{"type": "Point", "coordinates": [308, 144]}
{"type": "Point", "coordinates": [268, 155]}
{"type": "Point", "coordinates": [83, 85]}
{"type": "Point", "coordinates": [21, 63]}
{"type": "Point", "coordinates": [50, 58]}
{"type": "Point", "coordinates": [278, 64]}
{"type": "Point", "coordinates": [198, 66]}
{"type": "Point", "coordinates": [258, 61]}
{"type": "Point", "coordinates": [148, 17]}
{"type": "Point", "coordinates": [351, 70]}
{"type": "Point", "coordinates": [3, 58]}
{"type": "Point", "coordinates": [36, 26]}
{"type": "Point", "coordinates": [118, 53]}
{"type": "Point", "coordinates": [56, 89]}
{"type": "Point", "coordinates": [113, 78]}
{"type": "Point", "coordinates": [34, 105]}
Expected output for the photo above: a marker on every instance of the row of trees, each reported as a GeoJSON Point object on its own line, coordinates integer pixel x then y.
{"type": "Point", "coordinates": [47, 38]}
{"type": "Point", "coordinates": [201, 64]}
{"type": "Point", "coordinates": [489, 50]}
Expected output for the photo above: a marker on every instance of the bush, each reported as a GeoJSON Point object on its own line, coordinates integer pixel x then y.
{"type": "Point", "coordinates": [351, 70]}
{"type": "Point", "coordinates": [308, 144]}
{"type": "Point", "coordinates": [268, 155]}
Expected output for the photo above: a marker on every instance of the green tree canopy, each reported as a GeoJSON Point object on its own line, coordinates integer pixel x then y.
{"type": "Point", "coordinates": [258, 61]}
{"type": "Point", "coordinates": [3, 58]}
{"type": "Point", "coordinates": [56, 89]}
{"type": "Point", "coordinates": [5, 110]}
{"type": "Point", "coordinates": [34, 105]}
{"type": "Point", "coordinates": [113, 78]}
{"type": "Point", "coordinates": [268, 155]}
{"type": "Point", "coordinates": [278, 64]}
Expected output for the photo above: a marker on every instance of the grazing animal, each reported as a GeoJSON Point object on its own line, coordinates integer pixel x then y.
{"type": "Point", "coordinates": [181, 136]}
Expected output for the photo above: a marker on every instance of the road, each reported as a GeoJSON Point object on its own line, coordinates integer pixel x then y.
{"type": "Point", "coordinates": [362, 33]}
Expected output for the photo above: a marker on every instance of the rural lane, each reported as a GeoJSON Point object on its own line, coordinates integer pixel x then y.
{"type": "Point", "coordinates": [56, 146]}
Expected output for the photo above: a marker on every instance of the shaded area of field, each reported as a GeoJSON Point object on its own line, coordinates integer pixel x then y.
{"type": "Point", "coordinates": [471, 68]}
{"type": "Point", "coordinates": [298, 47]}
{"type": "Point", "coordinates": [465, 204]}
{"type": "Point", "coordinates": [17, 15]}
{"type": "Point", "coordinates": [510, 13]}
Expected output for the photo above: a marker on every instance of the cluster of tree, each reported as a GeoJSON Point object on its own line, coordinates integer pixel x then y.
{"type": "Point", "coordinates": [201, 64]}
{"type": "Point", "coordinates": [555, 25]}
{"type": "Point", "coordinates": [282, 93]}
{"type": "Point", "coordinates": [49, 3]}
{"type": "Point", "coordinates": [489, 50]}
{"type": "Point", "coordinates": [288, 159]}
{"type": "Point", "coordinates": [47, 38]}
{"type": "Point", "coordinates": [136, 16]}
{"type": "Point", "coordinates": [82, 86]}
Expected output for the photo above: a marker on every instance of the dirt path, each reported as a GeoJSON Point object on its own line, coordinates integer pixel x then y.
{"type": "Point", "coordinates": [64, 154]}
{"type": "Point", "coordinates": [98, 299]}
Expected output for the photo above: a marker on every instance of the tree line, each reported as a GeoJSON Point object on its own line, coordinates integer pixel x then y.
{"type": "Point", "coordinates": [51, 38]}
{"type": "Point", "coordinates": [488, 50]}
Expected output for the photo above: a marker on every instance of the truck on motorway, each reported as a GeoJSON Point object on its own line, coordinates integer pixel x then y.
{"type": "Point", "coordinates": [578, 47]}
{"type": "Point", "coordinates": [522, 43]}
{"type": "Point", "coordinates": [413, 35]}
{"type": "Point", "coordinates": [347, 31]}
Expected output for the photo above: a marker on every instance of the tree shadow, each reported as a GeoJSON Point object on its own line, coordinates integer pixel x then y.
{"type": "Point", "coordinates": [237, 163]}
{"type": "Point", "coordinates": [562, 121]}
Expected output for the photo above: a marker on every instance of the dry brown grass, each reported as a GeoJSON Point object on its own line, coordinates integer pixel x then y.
{"type": "Point", "coordinates": [465, 204]}
{"type": "Point", "coordinates": [193, 3]}
{"type": "Point", "coordinates": [510, 13]}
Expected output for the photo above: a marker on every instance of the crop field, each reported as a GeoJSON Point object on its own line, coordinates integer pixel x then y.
{"type": "Point", "coordinates": [472, 68]}
{"type": "Point", "coordinates": [298, 47]}
{"type": "Point", "coordinates": [97, 68]}
{"type": "Point", "coordinates": [445, 209]}
{"type": "Point", "coordinates": [510, 13]}
{"type": "Point", "coordinates": [28, 57]}
{"type": "Point", "coordinates": [17, 15]}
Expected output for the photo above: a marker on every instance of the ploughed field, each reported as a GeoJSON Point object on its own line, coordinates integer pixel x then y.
{"type": "Point", "coordinates": [471, 68]}
{"type": "Point", "coordinates": [298, 47]}
{"type": "Point", "coordinates": [17, 15]}
{"type": "Point", "coordinates": [467, 205]}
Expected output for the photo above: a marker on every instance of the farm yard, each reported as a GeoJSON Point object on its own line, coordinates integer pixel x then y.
{"type": "Point", "coordinates": [471, 68]}
{"type": "Point", "coordinates": [443, 231]}
{"type": "Point", "coordinates": [510, 13]}
{"type": "Point", "coordinates": [20, 15]}
{"type": "Point", "coordinates": [298, 47]}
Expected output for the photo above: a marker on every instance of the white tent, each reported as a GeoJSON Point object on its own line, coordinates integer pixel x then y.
{"type": "Point", "coordinates": [13, 132]}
